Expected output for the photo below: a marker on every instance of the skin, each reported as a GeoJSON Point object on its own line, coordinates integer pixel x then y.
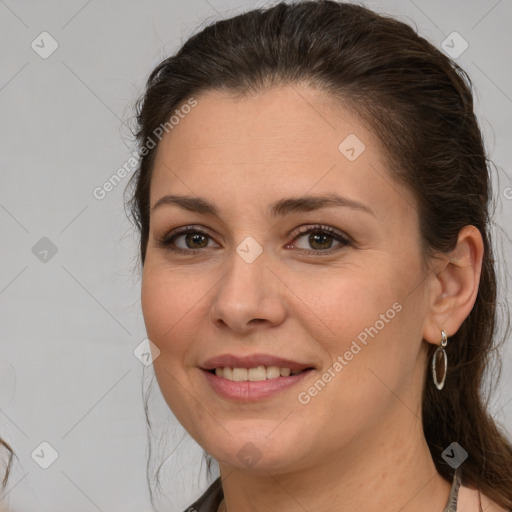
{"type": "Point", "coordinates": [359, 442]}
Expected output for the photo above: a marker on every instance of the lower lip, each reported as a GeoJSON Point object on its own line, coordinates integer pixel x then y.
{"type": "Point", "coordinates": [247, 391]}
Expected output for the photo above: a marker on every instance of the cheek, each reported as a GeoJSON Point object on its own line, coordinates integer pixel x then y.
{"type": "Point", "coordinates": [170, 307]}
{"type": "Point", "coordinates": [349, 307]}
{"type": "Point", "coordinates": [363, 320]}
{"type": "Point", "coordinates": [168, 301]}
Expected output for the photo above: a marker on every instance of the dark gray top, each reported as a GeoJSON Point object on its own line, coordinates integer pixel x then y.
{"type": "Point", "coordinates": [210, 500]}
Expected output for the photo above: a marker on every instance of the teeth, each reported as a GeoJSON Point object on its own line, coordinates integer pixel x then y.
{"type": "Point", "coordinates": [273, 372]}
{"type": "Point", "coordinates": [254, 374]}
{"type": "Point", "coordinates": [239, 374]}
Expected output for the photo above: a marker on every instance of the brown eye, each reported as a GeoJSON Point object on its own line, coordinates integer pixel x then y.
{"type": "Point", "coordinates": [193, 239]}
{"type": "Point", "coordinates": [320, 239]}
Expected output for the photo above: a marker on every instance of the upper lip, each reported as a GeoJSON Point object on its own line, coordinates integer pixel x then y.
{"type": "Point", "coordinates": [251, 361]}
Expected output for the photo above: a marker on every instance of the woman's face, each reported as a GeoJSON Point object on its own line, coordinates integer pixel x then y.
{"type": "Point", "coordinates": [242, 282]}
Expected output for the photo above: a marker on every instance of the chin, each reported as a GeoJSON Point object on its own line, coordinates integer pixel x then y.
{"type": "Point", "coordinates": [256, 452]}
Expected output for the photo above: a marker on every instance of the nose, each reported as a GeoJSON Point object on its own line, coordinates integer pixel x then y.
{"type": "Point", "coordinates": [249, 296]}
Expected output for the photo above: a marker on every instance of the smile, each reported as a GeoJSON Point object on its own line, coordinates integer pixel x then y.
{"type": "Point", "coordinates": [255, 374]}
{"type": "Point", "coordinates": [246, 390]}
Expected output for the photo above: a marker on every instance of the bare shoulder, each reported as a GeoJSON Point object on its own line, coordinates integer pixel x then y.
{"type": "Point", "coordinates": [489, 505]}
{"type": "Point", "coordinates": [469, 500]}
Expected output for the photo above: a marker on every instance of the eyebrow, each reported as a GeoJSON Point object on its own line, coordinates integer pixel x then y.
{"type": "Point", "coordinates": [279, 208]}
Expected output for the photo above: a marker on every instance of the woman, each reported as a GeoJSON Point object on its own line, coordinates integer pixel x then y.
{"type": "Point", "coordinates": [318, 280]}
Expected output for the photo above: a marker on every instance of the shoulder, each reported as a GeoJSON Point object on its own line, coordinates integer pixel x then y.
{"type": "Point", "coordinates": [469, 500]}
{"type": "Point", "coordinates": [491, 506]}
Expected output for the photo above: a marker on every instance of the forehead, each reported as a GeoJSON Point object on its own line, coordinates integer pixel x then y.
{"type": "Point", "coordinates": [287, 138]}
{"type": "Point", "coordinates": [281, 123]}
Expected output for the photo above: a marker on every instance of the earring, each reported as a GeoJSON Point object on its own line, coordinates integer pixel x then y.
{"type": "Point", "coordinates": [440, 355]}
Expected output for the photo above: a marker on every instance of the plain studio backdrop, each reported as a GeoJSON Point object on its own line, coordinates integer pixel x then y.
{"type": "Point", "coordinates": [71, 325]}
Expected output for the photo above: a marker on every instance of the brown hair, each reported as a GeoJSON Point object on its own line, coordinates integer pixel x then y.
{"type": "Point", "coordinates": [419, 104]}
{"type": "Point", "coordinates": [5, 444]}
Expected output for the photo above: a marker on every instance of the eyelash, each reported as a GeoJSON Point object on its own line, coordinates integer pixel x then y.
{"type": "Point", "coordinates": [167, 240]}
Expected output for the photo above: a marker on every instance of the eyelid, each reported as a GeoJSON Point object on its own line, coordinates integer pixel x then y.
{"type": "Point", "coordinates": [323, 228]}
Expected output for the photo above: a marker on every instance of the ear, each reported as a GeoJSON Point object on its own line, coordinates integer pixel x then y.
{"type": "Point", "coordinates": [455, 285]}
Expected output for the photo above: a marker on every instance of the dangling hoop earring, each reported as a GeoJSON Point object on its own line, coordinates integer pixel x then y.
{"type": "Point", "coordinates": [440, 355]}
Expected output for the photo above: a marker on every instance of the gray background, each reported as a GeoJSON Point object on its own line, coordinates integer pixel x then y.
{"type": "Point", "coordinates": [69, 325]}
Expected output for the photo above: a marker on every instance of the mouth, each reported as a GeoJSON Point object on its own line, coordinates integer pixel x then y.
{"type": "Point", "coordinates": [253, 378]}
{"type": "Point", "coordinates": [254, 368]}
{"type": "Point", "coordinates": [255, 374]}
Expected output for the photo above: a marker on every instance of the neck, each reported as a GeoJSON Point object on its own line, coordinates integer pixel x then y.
{"type": "Point", "coordinates": [382, 473]}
